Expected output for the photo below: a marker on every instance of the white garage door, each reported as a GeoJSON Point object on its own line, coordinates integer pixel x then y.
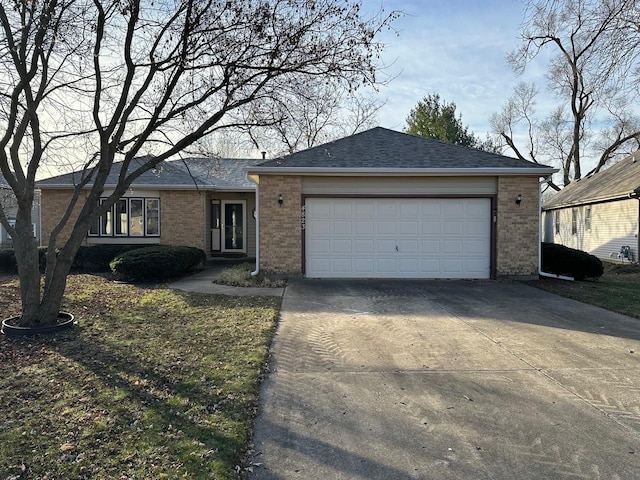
{"type": "Point", "coordinates": [398, 238]}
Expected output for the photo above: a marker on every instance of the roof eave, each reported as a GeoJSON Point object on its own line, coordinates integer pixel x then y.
{"type": "Point", "coordinates": [590, 201]}
{"type": "Point", "coordinates": [400, 172]}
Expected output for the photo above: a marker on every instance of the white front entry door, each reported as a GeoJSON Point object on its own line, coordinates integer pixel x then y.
{"type": "Point", "coordinates": [398, 237]}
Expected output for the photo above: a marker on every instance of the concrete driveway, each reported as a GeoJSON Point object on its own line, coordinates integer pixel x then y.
{"type": "Point", "coordinates": [448, 380]}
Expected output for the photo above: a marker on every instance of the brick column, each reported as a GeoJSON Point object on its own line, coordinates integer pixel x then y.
{"type": "Point", "coordinates": [280, 225]}
{"type": "Point", "coordinates": [517, 227]}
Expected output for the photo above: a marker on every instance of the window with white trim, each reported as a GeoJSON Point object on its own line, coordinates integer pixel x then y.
{"type": "Point", "coordinates": [574, 221]}
{"type": "Point", "coordinates": [129, 217]}
{"type": "Point", "coordinates": [587, 219]}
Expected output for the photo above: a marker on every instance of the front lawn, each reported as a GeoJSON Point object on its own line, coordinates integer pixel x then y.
{"type": "Point", "coordinates": [152, 383]}
{"type": "Point", "coordinates": [617, 290]}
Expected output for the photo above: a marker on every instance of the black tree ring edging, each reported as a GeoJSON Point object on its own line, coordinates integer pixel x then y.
{"type": "Point", "coordinates": [65, 322]}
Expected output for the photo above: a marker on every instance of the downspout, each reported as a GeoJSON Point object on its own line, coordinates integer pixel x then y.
{"type": "Point", "coordinates": [257, 270]}
{"type": "Point", "coordinates": [540, 272]}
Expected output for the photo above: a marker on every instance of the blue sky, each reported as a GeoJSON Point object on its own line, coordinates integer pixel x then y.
{"type": "Point", "coordinates": [456, 48]}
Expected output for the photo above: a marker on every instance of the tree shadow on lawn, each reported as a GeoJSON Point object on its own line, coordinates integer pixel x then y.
{"type": "Point", "coordinates": [145, 393]}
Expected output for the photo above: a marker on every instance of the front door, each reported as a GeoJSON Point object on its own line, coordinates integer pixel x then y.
{"type": "Point", "coordinates": [234, 226]}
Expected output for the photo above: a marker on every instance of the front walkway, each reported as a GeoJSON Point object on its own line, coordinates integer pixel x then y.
{"type": "Point", "coordinates": [202, 282]}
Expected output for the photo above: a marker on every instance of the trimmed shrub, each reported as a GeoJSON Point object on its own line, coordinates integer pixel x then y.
{"type": "Point", "coordinates": [156, 263]}
{"type": "Point", "coordinates": [562, 260]}
{"type": "Point", "coordinates": [8, 262]}
{"type": "Point", "coordinates": [98, 257]}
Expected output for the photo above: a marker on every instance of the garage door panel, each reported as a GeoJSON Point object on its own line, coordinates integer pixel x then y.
{"type": "Point", "coordinates": [385, 265]}
{"type": "Point", "coordinates": [453, 228]}
{"type": "Point", "coordinates": [431, 228]}
{"type": "Point", "coordinates": [342, 208]}
{"type": "Point", "coordinates": [452, 246]}
{"type": "Point", "coordinates": [319, 246]}
{"type": "Point", "coordinates": [430, 247]}
{"type": "Point", "coordinates": [365, 209]}
{"type": "Point", "coordinates": [365, 227]}
{"type": "Point", "coordinates": [385, 246]}
{"type": "Point", "coordinates": [408, 228]}
{"type": "Point", "coordinates": [387, 209]}
{"type": "Point", "coordinates": [386, 227]}
{"type": "Point", "coordinates": [408, 246]}
{"type": "Point", "coordinates": [475, 247]}
{"type": "Point", "coordinates": [398, 238]}
{"type": "Point", "coordinates": [342, 227]}
{"type": "Point", "coordinates": [364, 246]}
{"type": "Point", "coordinates": [477, 228]}
{"type": "Point", "coordinates": [364, 266]}
{"type": "Point", "coordinates": [341, 247]}
{"type": "Point", "coordinates": [408, 265]}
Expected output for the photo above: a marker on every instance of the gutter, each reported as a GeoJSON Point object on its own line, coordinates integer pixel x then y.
{"type": "Point", "coordinates": [397, 172]}
{"type": "Point", "coordinates": [257, 270]}
{"type": "Point", "coordinates": [540, 272]}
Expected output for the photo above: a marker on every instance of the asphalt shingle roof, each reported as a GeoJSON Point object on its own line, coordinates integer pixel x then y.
{"type": "Point", "coordinates": [217, 173]}
{"type": "Point", "coordinates": [617, 181]}
{"type": "Point", "coordinates": [384, 148]}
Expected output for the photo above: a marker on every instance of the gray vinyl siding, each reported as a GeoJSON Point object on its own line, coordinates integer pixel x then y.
{"type": "Point", "coordinates": [400, 185]}
{"type": "Point", "coordinates": [613, 225]}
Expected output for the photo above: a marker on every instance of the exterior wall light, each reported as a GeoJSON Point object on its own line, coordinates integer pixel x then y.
{"type": "Point", "coordinates": [518, 199]}
{"type": "Point", "coordinates": [280, 199]}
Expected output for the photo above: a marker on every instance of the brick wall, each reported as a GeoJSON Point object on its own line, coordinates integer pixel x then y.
{"type": "Point", "coordinates": [517, 227]}
{"type": "Point", "coordinates": [182, 217]}
{"type": "Point", "coordinates": [53, 205]}
{"type": "Point", "coordinates": [280, 225]}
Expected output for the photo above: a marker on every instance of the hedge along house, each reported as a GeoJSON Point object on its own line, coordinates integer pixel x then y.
{"type": "Point", "coordinates": [383, 204]}
{"type": "Point", "coordinates": [200, 202]}
{"type": "Point", "coordinates": [599, 214]}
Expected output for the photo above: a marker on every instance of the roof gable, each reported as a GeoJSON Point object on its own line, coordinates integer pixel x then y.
{"type": "Point", "coordinates": [381, 148]}
{"type": "Point", "coordinates": [618, 181]}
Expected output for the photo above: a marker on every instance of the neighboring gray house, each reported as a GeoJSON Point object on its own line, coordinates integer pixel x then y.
{"type": "Point", "coordinates": [600, 213]}
{"type": "Point", "coordinates": [8, 202]}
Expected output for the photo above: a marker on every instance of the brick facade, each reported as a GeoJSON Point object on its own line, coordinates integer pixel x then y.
{"type": "Point", "coordinates": [53, 205]}
{"type": "Point", "coordinates": [280, 225]}
{"type": "Point", "coordinates": [518, 230]}
{"type": "Point", "coordinates": [517, 227]}
{"type": "Point", "coordinates": [182, 218]}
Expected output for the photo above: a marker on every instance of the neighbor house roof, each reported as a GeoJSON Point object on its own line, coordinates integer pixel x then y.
{"type": "Point", "coordinates": [622, 180]}
{"type": "Point", "coordinates": [207, 173]}
{"type": "Point", "coordinates": [384, 151]}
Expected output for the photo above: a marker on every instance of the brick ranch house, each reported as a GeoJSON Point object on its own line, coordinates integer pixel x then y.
{"type": "Point", "coordinates": [201, 202]}
{"type": "Point", "coordinates": [384, 204]}
{"type": "Point", "coordinates": [378, 204]}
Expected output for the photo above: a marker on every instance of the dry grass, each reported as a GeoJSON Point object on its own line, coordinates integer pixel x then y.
{"type": "Point", "coordinates": [617, 290]}
{"type": "Point", "coordinates": [153, 383]}
{"type": "Point", "coordinates": [240, 276]}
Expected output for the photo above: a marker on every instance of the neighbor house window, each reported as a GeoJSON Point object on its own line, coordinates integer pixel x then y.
{"type": "Point", "coordinates": [574, 221]}
{"type": "Point", "coordinates": [587, 219]}
{"type": "Point", "coordinates": [129, 217]}
{"type": "Point", "coordinates": [557, 221]}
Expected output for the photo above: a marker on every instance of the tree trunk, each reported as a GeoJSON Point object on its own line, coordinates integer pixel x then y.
{"type": "Point", "coordinates": [26, 252]}
{"type": "Point", "coordinates": [39, 307]}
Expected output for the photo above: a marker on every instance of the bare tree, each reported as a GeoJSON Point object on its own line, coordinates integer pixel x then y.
{"type": "Point", "coordinates": [97, 81]}
{"type": "Point", "coordinates": [595, 51]}
{"type": "Point", "coordinates": [315, 113]}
